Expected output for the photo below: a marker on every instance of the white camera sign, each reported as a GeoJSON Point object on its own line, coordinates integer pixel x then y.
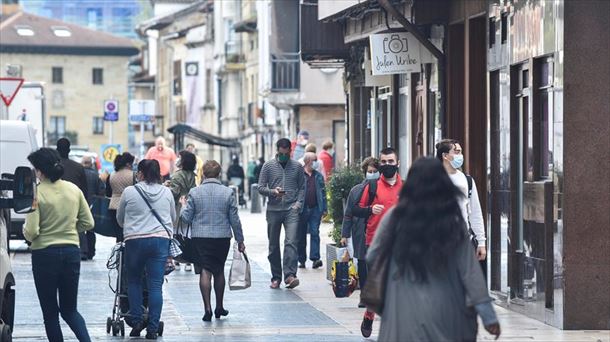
{"type": "Point", "coordinates": [394, 53]}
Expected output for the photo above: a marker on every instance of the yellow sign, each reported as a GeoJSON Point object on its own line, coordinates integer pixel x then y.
{"type": "Point", "coordinates": [110, 152]}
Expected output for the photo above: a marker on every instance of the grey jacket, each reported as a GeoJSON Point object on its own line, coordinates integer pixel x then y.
{"type": "Point", "coordinates": [291, 179]}
{"type": "Point", "coordinates": [211, 208]}
{"type": "Point", "coordinates": [136, 218]}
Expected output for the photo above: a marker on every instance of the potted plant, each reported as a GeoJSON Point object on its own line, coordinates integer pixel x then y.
{"type": "Point", "coordinates": [338, 187]}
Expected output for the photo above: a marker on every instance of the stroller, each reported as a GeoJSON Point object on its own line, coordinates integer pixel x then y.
{"type": "Point", "coordinates": [120, 309]}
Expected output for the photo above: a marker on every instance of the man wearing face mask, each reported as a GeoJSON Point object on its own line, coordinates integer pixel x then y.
{"type": "Point", "coordinates": [449, 152]}
{"type": "Point", "coordinates": [312, 211]}
{"type": "Point", "coordinates": [282, 181]}
{"type": "Point", "coordinates": [354, 226]}
{"type": "Point", "coordinates": [373, 206]}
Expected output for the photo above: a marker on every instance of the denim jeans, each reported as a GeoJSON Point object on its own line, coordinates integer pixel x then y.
{"type": "Point", "coordinates": [56, 272]}
{"type": "Point", "coordinates": [309, 221]}
{"type": "Point", "coordinates": [150, 255]}
{"type": "Point", "coordinates": [290, 220]}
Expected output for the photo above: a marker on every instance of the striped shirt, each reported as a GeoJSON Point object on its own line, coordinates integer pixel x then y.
{"type": "Point", "coordinates": [290, 178]}
{"type": "Point", "coordinates": [211, 208]}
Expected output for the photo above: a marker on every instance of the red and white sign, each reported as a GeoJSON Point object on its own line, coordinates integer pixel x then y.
{"type": "Point", "coordinates": [9, 86]}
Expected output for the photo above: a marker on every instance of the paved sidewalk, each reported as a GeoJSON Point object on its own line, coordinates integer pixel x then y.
{"type": "Point", "coordinates": [308, 313]}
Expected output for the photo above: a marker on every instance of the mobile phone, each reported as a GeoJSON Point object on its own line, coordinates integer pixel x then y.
{"type": "Point", "coordinates": [282, 191]}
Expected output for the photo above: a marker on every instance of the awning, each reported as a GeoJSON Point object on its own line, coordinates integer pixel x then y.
{"type": "Point", "coordinates": [181, 130]}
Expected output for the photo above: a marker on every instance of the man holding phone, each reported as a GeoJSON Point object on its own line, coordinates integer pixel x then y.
{"type": "Point", "coordinates": [282, 181]}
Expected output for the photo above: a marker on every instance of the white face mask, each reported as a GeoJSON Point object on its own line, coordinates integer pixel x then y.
{"type": "Point", "coordinates": [458, 161]}
{"type": "Point", "coordinates": [372, 176]}
{"type": "Point", "coordinates": [315, 165]}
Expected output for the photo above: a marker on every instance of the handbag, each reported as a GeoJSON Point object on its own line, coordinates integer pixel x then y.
{"type": "Point", "coordinates": [104, 223]}
{"type": "Point", "coordinates": [174, 246]}
{"type": "Point", "coordinates": [240, 277]}
{"type": "Point", "coordinates": [189, 252]}
{"type": "Point", "coordinates": [344, 276]}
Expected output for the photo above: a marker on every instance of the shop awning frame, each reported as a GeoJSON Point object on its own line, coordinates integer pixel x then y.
{"type": "Point", "coordinates": [181, 130]}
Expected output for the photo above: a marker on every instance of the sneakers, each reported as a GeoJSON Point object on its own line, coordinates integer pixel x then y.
{"type": "Point", "coordinates": [302, 265]}
{"type": "Point", "coordinates": [317, 264]}
{"type": "Point", "coordinates": [275, 284]}
{"type": "Point", "coordinates": [366, 328]}
{"type": "Point", "coordinates": [292, 282]}
{"type": "Point", "coordinates": [188, 267]}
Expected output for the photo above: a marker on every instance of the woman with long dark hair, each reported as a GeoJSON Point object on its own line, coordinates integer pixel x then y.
{"type": "Point", "coordinates": [53, 230]}
{"type": "Point", "coordinates": [122, 177]}
{"type": "Point", "coordinates": [146, 242]}
{"type": "Point", "coordinates": [435, 287]}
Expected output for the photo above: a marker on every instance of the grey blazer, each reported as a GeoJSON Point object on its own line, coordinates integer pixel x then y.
{"type": "Point", "coordinates": [211, 208]}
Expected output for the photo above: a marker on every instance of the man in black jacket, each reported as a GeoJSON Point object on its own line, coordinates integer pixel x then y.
{"type": "Point", "coordinates": [74, 173]}
{"type": "Point", "coordinates": [95, 186]}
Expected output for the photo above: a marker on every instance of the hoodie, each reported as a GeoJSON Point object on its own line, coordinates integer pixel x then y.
{"type": "Point", "coordinates": [136, 218]}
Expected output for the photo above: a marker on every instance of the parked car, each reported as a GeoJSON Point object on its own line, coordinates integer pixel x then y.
{"type": "Point", "coordinates": [17, 141]}
{"type": "Point", "coordinates": [21, 186]}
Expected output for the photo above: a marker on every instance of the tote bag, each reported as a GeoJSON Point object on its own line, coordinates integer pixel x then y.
{"type": "Point", "coordinates": [240, 275]}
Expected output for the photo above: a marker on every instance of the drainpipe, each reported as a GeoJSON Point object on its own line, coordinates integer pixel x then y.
{"type": "Point", "coordinates": [438, 54]}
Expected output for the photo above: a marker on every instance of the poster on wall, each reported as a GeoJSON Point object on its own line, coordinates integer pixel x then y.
{"type": "Point", "coordinates": [394, 53]}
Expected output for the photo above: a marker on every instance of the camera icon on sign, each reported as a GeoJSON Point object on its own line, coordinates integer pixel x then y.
{"type": "Point", "coordinates": [395, 44]}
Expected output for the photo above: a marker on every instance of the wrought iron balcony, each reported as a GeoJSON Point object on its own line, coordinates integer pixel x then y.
{"type": "Point", "coordinates": [285, 72]}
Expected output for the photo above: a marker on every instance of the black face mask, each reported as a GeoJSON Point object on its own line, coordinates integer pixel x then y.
{"type": "Point", "coordinates": [388, 171]}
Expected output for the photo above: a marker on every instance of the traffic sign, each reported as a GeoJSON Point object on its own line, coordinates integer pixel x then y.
{"type": "Point", "coordinates": [141, 110]}
{"type": "Point", "coordinates": [9, 86]}
{"type": "Point", "coordinates": [111, 110]}
{"type": "Point", "coordinates": [109, 152]}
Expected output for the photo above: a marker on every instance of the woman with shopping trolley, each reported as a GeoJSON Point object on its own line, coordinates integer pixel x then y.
{"type": "Point", "coordinates": [146, 213]}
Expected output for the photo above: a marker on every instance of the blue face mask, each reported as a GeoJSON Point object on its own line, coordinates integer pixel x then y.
{"type": "Point", "coordinates": [458, 161]}
{"type": "Point", "coordinates": [372, 176]}
{"type": "Point", "coordinates": [315, 165]}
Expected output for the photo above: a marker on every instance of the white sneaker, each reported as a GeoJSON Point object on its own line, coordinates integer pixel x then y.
{"type": "Point", "coordinates": [188, 267]}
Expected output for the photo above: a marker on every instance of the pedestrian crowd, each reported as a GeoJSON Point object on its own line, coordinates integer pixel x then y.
{"type": "Point", "coordinates": [419, 242]}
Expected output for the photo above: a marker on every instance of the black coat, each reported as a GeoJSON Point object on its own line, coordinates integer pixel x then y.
{"type": "Point", "coordinates": [75, 173]}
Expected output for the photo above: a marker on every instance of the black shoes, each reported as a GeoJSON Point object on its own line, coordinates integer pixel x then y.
{"type": "Point", "coordinates": [207, 317]}
{"type": "Point", "coordinates": [151, 336]}
{"type": "Point", "coordinates": [361, 305]}
{"type": "Point", "coordinates": [136, 330]}
{"type": "Point", "coordinates": [220, 312]}
{"type": "Point", "coordinates": [366, 328]}
{"type": "Point", "coordinates": [317, 264]}
{"type": "Point", "coordinates": [302, 265]}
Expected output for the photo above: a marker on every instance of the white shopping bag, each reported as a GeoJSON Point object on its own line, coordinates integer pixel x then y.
{"type": "Point", "coordinates": [239, 276]}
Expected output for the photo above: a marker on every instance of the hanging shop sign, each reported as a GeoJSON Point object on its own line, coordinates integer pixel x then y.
{"type": "Point", "coordinates": [394, 53]}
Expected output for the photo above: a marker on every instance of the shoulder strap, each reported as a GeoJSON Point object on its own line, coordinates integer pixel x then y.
{"type": "Point", "coordinates": [372, 191]}
{"type": "Point", "coordinates": [469, 181]}
{"type": "Point", "coordinates": [154, 212]}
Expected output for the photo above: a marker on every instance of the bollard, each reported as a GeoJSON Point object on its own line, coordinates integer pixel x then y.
{"type": "Point", "coordinates": [255, 207]}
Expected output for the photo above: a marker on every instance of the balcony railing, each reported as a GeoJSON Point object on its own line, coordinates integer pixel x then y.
{"type": "Point", "coordinates": [233, 54]}
{"type": "Point", "coordinates": [285, 72]}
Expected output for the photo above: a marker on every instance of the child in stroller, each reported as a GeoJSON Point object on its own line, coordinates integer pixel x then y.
{"type": "Point", "coordinates": [120, 309]}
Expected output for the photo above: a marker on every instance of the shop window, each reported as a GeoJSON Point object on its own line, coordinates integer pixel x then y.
{"type": "Point", "coordinates": [98, 76]}
{"type": "Point", "coordinates": [98, 125]}
{"type": "Point", "coordinates": [57, 74]}
{"type": "Point", "coordinates": [504, 27]}
{"type": "Point", "coordinates": [543, 97]}
{"type": "Point", "coordinates": [492, 32]}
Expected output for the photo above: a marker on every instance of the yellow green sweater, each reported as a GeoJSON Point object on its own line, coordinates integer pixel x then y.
{"type": "Point", "coordinates": [62, 213]}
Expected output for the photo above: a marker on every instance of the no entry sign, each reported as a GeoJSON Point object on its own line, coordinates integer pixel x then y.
{"type": "Point", "coordinates": [111, 110]}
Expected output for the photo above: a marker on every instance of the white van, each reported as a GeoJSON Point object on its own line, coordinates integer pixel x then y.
{"type": "Point", "coordinates": [17, 141]}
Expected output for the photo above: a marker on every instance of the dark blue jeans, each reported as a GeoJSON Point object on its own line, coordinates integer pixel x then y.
{"type": "Point", "coordinates": [309, 222]}
{"type": "Point", "coordinates": [56, 273]}
{"type": "Point", "coordinates": [148, 254]}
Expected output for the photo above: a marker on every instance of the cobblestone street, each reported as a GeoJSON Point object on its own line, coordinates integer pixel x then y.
{"type": "Point", "coordinates": [307, 313]}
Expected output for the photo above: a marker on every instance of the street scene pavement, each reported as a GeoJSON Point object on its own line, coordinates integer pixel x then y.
{"type": "Point", "coordinates": [308, 313]}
